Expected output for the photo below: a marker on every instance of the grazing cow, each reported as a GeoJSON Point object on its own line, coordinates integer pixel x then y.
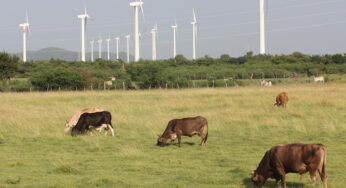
{"type": "Point", "coordinates": [266, 83]}
{"type": "Point", "coordinates": [319, 79]}
{"type": "Point", "coordinates": [97, 119]}
{"type": "Point", "coordinates": [281, 99]}
{"type": "Point", "coordinates": [131, 88]}
{"type": "Point", "coordinates": [184, 127]}
{"type": "Point", "coordinates": [75, 117]}
{"type": "Point", "coordinates": [295, 158]}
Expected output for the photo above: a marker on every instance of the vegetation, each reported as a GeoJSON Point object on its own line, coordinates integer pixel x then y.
{"type": "Point", "coordinates": [243, 124]}
{"type": "Point", "coordinates": [175, 73]}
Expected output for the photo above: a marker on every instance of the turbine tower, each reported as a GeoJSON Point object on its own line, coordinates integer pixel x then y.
{"type": "Point", "coordinates": [194, 34]}
{"type": "Point", "coordinates": [100, 48]}
{"type": "Point", "coordinates": [108, 40]}
{"type": "Point", "coordinates": [262, 32]}
{"type": "Point", "coordinates": [84, 17]}
{"type": "Point", "coordinates": [24, 26]}
{"type": "Point", "coordinates": [92, 50]}
{"type": "Point", "coordinates": [117, 46]}
{"type": "Point", "coordinates": [153, 33]}
{"type": "Point", "coordinates": [127, 48]}
{"type": "Point", "coordinates": [175, 29]}
{"type": "Point", "coordinates": [136, 5]}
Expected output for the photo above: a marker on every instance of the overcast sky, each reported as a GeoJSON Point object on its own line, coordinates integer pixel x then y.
{"type": "Point", "coordinates": [224, 26]}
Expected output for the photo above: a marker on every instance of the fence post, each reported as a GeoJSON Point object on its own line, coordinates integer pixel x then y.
{"type": "Point", "coordinates": [213, 83]}
{"type": "Point", "coordinates": [123, 85]}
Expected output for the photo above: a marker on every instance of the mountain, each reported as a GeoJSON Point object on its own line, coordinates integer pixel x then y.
{"type": "Point", "coordinates": [59, 53]}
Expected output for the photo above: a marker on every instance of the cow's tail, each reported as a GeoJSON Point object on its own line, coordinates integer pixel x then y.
{"type": "Point", "coordinates": [206, 136]}
{"type": "Point", "coordinates": [324, 174]}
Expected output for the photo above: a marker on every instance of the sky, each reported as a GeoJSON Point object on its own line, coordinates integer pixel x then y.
{"type": "Point", "coordinates": [224, 26]}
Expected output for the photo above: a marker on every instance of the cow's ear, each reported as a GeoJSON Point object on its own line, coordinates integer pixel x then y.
{"type": "Point", "coordinates": [252, 173]}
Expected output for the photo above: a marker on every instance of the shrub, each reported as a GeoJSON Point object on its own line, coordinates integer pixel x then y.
{"type": "Point", "coordinates": [58, 78]}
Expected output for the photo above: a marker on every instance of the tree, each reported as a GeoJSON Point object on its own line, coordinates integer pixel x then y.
{"type": "Point", "coordinates": [8, 65]}
{"type": "Point", "coordinates": [225, 58]}
{"type": "Point", "coordinates": [181, 59]}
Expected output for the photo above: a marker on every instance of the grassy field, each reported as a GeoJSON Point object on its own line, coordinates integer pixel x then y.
{"type": "Point", "coordinates": [243, 124]}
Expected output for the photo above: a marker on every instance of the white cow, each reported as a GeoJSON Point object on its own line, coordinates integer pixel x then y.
{"type": "Point", "coordinates": [266, 83]}
{"type": "Point", "coordinates": [75, 117]}
{"type": "Point", "coordinates": [319, 79]}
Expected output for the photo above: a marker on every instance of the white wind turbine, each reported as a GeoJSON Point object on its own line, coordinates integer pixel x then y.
{"type": "Point", "coordinates": [194, 34]}
{"type": "Point", "coordinates": [153, 33]}
{"type": "Point", "coordinates": [262, 32]}
{"type": "Point", "coordinates": [136, 5]}
{"type": "Point", "coordinates": [117, 46]}
{"type": "Point", "coordinates": [175, 30]}
{"type": "Point", "coordinates": [24, 26]}
{"type": "Point", "coordinates": [84, 18]}
{"type": "Point", "coordinates": [127, 48]}
{"type": "Point", "coordinates": [108, 56]}
{"type": "Point", "coordinates": [100, 48]}
{"type": "Point", "coordinates": [92, 50]}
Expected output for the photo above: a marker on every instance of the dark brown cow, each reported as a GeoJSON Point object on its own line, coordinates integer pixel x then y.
{"type": "Point", "coordinates": [295, 158]}
{"type": "Point", "coordinates": [97, 119]}
{"type": "Point", "coordinates": [184, 127]}
{"type": "Point", "coordinates": [281, 99]}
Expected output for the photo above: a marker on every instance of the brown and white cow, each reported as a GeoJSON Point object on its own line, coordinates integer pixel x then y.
{"type": "Point", "coordinates": [75, 117]}
{"type": "Point", "coordinates": [295, 158]}
{"type": "Point", "coordinates": [184, 127]}
{"type": "Point", "coordinates": [281, 99]}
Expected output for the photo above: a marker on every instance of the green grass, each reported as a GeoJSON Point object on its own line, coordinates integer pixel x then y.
{"type": "Point", "coordinates": [243, 124]}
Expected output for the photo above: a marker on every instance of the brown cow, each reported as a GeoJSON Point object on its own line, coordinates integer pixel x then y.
{"type": "Point", "coordinates": [184, 127]}
{"type": "Point", "coordinates": [296, 158]}
{"type": "Point", "coordinates": [281, 99]}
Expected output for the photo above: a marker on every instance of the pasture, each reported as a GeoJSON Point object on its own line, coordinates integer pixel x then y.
{"type": "Point", "coordinates": [243, 124]}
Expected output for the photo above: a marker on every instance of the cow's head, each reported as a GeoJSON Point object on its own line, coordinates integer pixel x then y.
{"type": "Point", "coordinates": [74, 131]}
{"type": "Point", "coordinates": [257, 179]}
{"type": "Point", "coordinates": [161, 141]}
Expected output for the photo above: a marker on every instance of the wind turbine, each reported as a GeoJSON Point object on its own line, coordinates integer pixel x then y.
{"type": "Point", "coordinates": [153, 33]}
{"type": "Point", "coordinates": [108, 40]}
{"type": "Point", "coordinates": [117, 46]}
{"type": "Point", "coordinates": [127, 47]}
{"type": "Point", "coordinates": [262, 32]}
{"type": "Point", "coordinates": [175, 29]}
{"type": "Point", "coordinates": [100, 48]}
{"type": "Point", "coordinates": [136, 5]}
{"type": "Point", "coordinates": [84, 18]}
{"type": "Point", "coordinates": [24, 26]}
{"type": "Point", "coordinates": [92, 50]}
{"type": "Point", "coordinates": [194, 34]}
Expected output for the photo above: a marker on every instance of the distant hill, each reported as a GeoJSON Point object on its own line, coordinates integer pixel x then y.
{"type": "Point", "coordinates": [59, 53]}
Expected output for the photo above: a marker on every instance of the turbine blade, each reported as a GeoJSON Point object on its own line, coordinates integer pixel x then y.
{"type": "Point", "coordinates": [142, 11]}
{"type": "Point", "coordinates": [267, 8]}
{"type": "Point", "coordinates": [194, 15]}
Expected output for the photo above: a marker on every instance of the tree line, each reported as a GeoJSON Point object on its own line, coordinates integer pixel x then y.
{"type": "Point", "coordinates": [178, 72]}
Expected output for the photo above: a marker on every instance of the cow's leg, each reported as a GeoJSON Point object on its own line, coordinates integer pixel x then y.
{"type": "Point", "coordinates": [312, 170]}
{"type": "Point", "coordinates": [179, 139]}
{"type": "Point", "coordinates": [323, 177]}
{"type": "Point", "coordinates": [111, 128]}
{"type": "Point", "coordinates": [172, 142]}
{"type": "Point", "coordinates": [276, 183]}
{"type": "Point", "coordinates": [283, 179]}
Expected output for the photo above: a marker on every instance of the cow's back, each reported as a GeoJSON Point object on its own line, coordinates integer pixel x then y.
{"type": "Point", "coordinates": [76, 115]}
{"type": "Point", "coordinates": [297, 157]}
{"type": "Point", "coordinates": [187, 125]}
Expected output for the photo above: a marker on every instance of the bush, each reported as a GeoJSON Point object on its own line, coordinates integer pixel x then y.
{"type": "Point", "coordinates": [59, 78]}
